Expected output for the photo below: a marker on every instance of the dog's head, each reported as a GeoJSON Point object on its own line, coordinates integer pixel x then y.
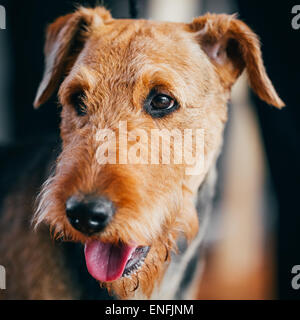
{"type": "Point", "coordinates": [123, 84]}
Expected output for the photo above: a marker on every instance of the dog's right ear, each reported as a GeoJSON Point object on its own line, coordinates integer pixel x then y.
{"type": "Point", "coordinates": [232, 47]}
{"type": "Point", "coordinates": [65, 39]}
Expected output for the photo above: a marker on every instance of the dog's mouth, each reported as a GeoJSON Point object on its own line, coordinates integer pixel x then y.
{"type": "Point", "coordinates": [108, 262]}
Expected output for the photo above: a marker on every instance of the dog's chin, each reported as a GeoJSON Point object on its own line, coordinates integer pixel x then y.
{"type": "Point", "coordinates": [108, 262]}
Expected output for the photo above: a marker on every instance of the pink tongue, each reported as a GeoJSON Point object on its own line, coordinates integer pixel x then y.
{"type": "Point", "coordinates": [105, 261]}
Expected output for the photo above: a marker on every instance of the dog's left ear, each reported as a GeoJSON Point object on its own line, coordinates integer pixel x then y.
{"type": "Point", "coordinates": [65, 39]}
{"type": "Point", "coordinates": [232, 47]}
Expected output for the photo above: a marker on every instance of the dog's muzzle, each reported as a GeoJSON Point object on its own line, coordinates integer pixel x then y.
{"type": "Point", "coordinates": [105, 261]}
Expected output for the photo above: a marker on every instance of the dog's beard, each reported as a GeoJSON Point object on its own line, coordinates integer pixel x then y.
{"type": "Point", "coordinates": [119, 280]}
{"type": "Point", "coordinates": [141, 283]}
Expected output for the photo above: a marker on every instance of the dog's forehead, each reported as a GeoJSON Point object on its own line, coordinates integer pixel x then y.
{"type": "Point", "coordinates": [126, 50]}
{"type": "Point", "coordinates": [120, 30]}
{"type": "Point", "coordinates": [127, 42]}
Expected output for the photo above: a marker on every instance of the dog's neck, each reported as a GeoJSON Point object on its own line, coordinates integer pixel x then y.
{"type": "Point", "coordinates": [184, 268]}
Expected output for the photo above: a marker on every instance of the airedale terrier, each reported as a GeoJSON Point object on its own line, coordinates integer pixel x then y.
{"type": "Point", "coordinates": [134, 224]}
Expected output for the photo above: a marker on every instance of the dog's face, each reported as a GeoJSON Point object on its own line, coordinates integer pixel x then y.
{"type": "Point", "coordinates": [120, 82]}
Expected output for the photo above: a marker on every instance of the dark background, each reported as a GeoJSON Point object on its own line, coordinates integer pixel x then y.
{"type": "Point", "coordinates": [26, 22]}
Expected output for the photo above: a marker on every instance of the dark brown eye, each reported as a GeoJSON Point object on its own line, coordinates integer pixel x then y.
{"type": "Point", "coordinates": [159, 104]}
{"type": "Point", "coordinates": [162, 101]}
{"type": "Point", "coordinates": [78, 103]}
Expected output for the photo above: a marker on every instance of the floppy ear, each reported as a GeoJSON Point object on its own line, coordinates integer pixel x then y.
{"type": "Point", "coordinates": [232, 47]}
{"type": "Point", "coordinates": [64, 41]}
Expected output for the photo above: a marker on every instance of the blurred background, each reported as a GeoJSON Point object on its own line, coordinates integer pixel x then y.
{"type": "Point", "coordinates": [252, 243]}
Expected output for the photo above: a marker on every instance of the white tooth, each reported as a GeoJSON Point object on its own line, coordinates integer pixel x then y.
{"type": "Point", "coordinates": [134, 268]}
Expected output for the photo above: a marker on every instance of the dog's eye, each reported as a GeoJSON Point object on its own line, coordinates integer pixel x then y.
{"type": "Point", "coordinates": [78, 104]}
{"type": "Point", "coordinates": [159, 104]}
{"type": "Point", "coordinates": [162, 101]}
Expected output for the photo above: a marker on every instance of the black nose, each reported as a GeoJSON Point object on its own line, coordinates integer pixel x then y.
{"type": "Point", "coordinates": [89, 215]}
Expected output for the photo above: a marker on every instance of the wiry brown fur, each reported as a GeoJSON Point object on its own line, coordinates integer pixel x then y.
{"type": "Point", "coordinates": [115, 64]}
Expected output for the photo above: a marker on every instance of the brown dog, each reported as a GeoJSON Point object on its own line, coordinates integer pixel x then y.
{"type": "Point", "coordinates": [141, 223]}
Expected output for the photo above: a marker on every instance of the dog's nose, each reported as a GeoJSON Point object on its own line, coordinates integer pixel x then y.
{"type": "Point", "coordinates": [89, 215]}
